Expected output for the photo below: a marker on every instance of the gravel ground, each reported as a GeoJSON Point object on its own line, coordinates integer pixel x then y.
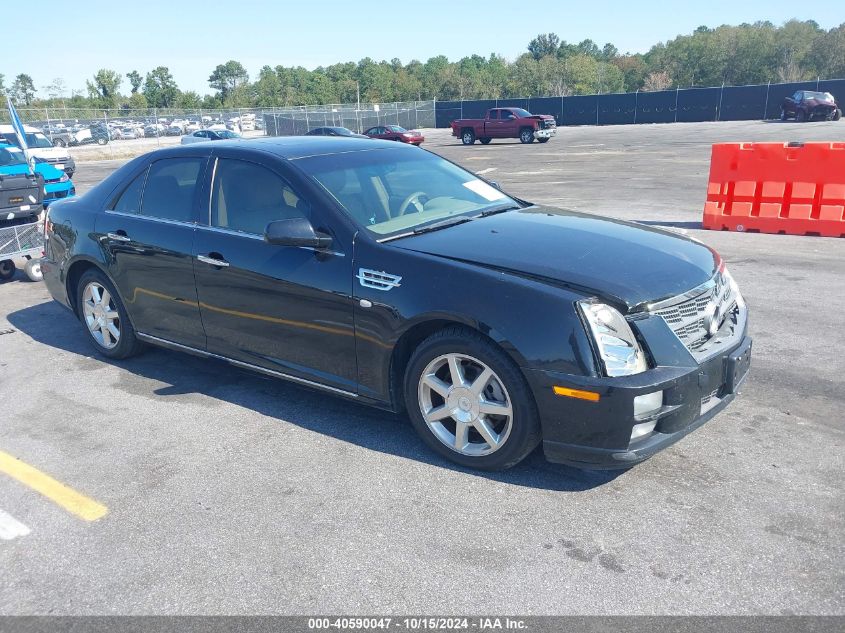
{"type": "Point", "coordinates": [231, 493]}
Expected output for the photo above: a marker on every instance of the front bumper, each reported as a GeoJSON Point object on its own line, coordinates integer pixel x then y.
{"type": "Point", "coordinates": [546, 133]}
{"type": "Point", "coordinates": [597, 435]}
{"type": "Point", "coordinates": [58, 191]}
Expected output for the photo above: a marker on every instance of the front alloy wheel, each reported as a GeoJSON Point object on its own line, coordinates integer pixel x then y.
{"type": "Point", "coordinates": [469, 401]}
{"type": "Point", "coordinates": [465, 405]}
{"type": "Point", "coordinates": [526, 136]}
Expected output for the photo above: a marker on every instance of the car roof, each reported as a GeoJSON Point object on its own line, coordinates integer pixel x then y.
{"type": "Point", "coordinates": [293, 147]}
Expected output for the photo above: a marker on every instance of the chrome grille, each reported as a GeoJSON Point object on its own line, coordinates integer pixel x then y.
{"type": "Point", "coordinates": [688, 316]}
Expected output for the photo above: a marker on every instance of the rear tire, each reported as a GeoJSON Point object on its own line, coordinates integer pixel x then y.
{"type": "Point", "coordinates": [33, 270]}
{"type": "Point", "coordinates": [489, 423]}
{"type": "Point", "coordinates": [101, 141]}
{"type": "Point", "coordinates": [526, 135]}
{"type": "Point", "coordinates": [485, 140]}
{"type": "Point", "coordinates": [59, 143]}
{"type": "Point", "coordinates": [7, 269]}
{"type": "Point", "coordinates": [782, 114]}
{"type": "Point", "coordinates": [104, 317]}
{"type": "Point", "coordinates": [467, 137]}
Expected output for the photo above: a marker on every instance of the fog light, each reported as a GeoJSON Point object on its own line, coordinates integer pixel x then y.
{"type": "Point", "coordinates": [647, 404]}
{"type": "Point", "coordinates": [642, 429]}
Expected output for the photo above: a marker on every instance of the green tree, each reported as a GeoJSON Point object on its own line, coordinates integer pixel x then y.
{"type": "Point", "coordinates": [103, 90]}
{"type": "Point", "coordinates": [23, 89]}
{"type": "Point", "coordinates": [227, 77]}
{"type": "Point", "coordinates": [189, 100]}
{"type": "Point", "coordinates": [135, 80]}
{"type": "Point", "coordinates": [137, 101]}
{"type": "Point", "coordinates": [544, 44]}
{"type": "Point", "coordinates": [160, 88]}
{"type": "Point", "coordinates": [2, 85]}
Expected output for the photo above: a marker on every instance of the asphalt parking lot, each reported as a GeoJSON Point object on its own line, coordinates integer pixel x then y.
{"type": "Point", "coordinates": [231, 493]}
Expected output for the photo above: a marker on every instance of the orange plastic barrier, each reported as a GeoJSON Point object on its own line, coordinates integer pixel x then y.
{"type": "Point", "coordinates": [791, 188]}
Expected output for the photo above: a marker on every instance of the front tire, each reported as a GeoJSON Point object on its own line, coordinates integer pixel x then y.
{"type": "Point", "coordinates": [800, 116]}
{"type": "Point", "coordinates": [469, 402]}
{"type": "Point", "coordinates": [104, 316]}
{"type": "Point", "coordinates": [526, 135]}
{"type": "Point", "coordinates": [467, 137]}
{"type": "Point", "coordinates": [837, 115]}
{"type": "Point", "coordinates": [101, 141]}
{"type": "Point", "coordinates": [59, 143]}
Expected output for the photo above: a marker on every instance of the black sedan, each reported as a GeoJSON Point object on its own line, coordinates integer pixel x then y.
{"type": "Point", "coordinates": [385, 274]}
{"type": "Point", "coordinates": [334, 131]}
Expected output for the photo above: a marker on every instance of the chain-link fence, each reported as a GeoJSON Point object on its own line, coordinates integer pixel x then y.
{"type": "Point", "coordinates": [358, 118]}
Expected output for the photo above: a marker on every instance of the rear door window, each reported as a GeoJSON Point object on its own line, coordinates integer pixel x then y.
{"type": "Point", "coordinates": [171, 188]}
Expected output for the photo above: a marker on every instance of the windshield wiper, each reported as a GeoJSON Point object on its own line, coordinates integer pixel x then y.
{"type": "Point", "coordinates": [500, 209]}
{"type": "Point", "coordinates": [442, 224]}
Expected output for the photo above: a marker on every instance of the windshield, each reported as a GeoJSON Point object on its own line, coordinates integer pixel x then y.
{"type": "Point", "coordinates": [819, 96]}
{"type": "Point", "coordinates": [341, 131]}
{"type": "Point", "coordinates": [396, 128]}
{"type": "Point", "coordinates": [38, 140]}
{"type": "Point", "coordinates": [393, 192]}
{"type": "Point", "coordinates": [11, 156]}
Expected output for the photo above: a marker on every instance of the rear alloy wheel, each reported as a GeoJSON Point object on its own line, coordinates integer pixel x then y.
{"type": "Point", "coordinates": [468, 137]}
{"type": "Point", "coordinates": [526, 135]}
{"type": "Point", "coordinates": [469, 402]}
{"type": "Point", "coordinates": [104, 316]}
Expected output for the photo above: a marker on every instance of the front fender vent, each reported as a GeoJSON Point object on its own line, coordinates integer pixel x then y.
{"type": "Point", "coordinates": [379, 280]}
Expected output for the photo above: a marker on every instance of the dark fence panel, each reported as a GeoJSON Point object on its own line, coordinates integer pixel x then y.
{"type": "Point", "coordinates": [477, 109]}
{"type": "Point", "coordinates": [580, 110]}
{"type": "Point", "coordinates": [656, 107]}
{"type": "Point", "coordinates": [698, 104]}
{"type": "Point", "coordinates": [512, 103]}
{"type": "Point", "coordinates": [547, 105]}
{"type": "Point", "coordinates": [731, 103]}
{"type": "Point", "coordinates": [445, 112]}
{"type": "Point", "coordinates": [778, 92]}
{"type": "Point", "coordinates": [617, 109]}
{"type": "Point", "coordinates": [743, 103]}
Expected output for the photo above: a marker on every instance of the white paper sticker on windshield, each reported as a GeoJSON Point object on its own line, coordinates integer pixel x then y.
{"type": "Point", "coordinates": [484, 190]}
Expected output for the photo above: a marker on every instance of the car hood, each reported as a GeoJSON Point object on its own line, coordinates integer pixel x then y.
{"type": "Point", "coordinates": [627, 263]}
{"type": "Point", "coordinates": [45, 169]}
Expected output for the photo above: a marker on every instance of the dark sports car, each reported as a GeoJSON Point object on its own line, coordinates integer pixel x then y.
{"type": "Point", "coordinates": [807, 105]}
{"type": "Point", "coordinates": [334, 131]}
{"type": "Point", "coordinates": [391, 276]}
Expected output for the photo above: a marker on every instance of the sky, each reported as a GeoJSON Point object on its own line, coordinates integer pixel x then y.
{"type": "Point", "coordinates": [191, 37]}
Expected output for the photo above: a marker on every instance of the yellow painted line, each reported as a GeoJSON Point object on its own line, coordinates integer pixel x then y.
{"type": "Point", "coordinates": [55, 491]}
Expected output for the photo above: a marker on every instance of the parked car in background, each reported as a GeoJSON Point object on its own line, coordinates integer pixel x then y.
{"type": "Point", "coordinates": [41, 147]}
{"type": "Point", "coordinates": [173, 130]}
{"type": "Point", "coordinates": [209, 135]}
{"type": "Point", "coordinates": [97, 133]}
{"type": "Point", "coordinates": [395, 133]}
{"type": "Point", "coordinates": [21, 193]}
{"type": "Point", "coordinates": [57, 184]}
{"type": "Point", "coordinates": [506, 123]}
{"type": "Point", "coordinates": [128, 133]}
{"type": "Point", "coordinates": [809, 105]}
{"type": "Point", "coordinates": [334, 131]}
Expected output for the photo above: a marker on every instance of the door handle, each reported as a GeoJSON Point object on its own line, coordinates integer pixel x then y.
{"type": "Point", "coordinates": [213, 261]}
{"type": "Point", "coordinates": [118, 237]}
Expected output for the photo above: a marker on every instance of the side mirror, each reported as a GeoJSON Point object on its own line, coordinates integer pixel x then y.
{"type": "Point", "coordinates": [295, 232]}
{"type": "Point", "coordinates": [495, 184]}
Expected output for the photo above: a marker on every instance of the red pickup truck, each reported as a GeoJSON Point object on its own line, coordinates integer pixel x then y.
{"type": "Point", "coordinates": [505, 123]}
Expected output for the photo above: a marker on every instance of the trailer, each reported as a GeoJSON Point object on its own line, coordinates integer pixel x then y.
{"type": "Point", "coordinates": [22, 242]}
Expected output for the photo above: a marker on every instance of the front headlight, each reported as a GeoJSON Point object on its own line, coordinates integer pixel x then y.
{"type": "Point", "coordinates": [620, 352]}
{"type": "Point", "coordinates": [734, 288]}
{"type": "Point", "coordinates": [64, 178]}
